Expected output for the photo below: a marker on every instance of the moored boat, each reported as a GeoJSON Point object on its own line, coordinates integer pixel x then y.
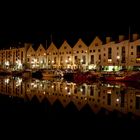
{"type": "Point", "coordinates": [127, 76]}
{"type": "Point", "coordinates": [51, 73]}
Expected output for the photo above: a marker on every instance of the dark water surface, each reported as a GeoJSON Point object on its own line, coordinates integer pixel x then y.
{"type": "Point", "coordinates": [58, 103]}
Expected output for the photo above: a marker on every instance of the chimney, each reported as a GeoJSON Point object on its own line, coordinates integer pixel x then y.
{"type": "Point", "coordinates": [135, 36]}
{"type": "Point", "coordinates": [108, 39]}
{"type": "Point", "coordinates": [121, 38]}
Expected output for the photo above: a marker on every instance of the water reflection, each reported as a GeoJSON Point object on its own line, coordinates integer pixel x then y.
{"type": "Point", "coordinates": [111, 96]}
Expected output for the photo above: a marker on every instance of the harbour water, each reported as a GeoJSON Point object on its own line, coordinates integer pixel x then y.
{"type": "Point", "coordinates": [99, 104]}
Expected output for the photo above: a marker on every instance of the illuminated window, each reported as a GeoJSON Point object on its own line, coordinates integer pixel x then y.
{"type": "Point", "coordinates": [109, 60]}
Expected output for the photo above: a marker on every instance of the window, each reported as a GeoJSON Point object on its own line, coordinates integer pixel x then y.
{"type": "Point", "coordinates": [92, 59]}
{"type": "Point", "coordinates": [99, 50]}
{"type": "Point", "coordinates": [138, 51]}
{"type": "Point", "coordinates": [82, 51]}
{"type": "Point", "coordinates": [91, 91]}
{"type": "Point", "coordinates": [99, 57]}
{"type": "Point", "coordinates": [90, 51]}
{"type": "Point", "coordinates": [65, 47]}
{"type": "Point", "coordinates": [93, 50]}
{"type": "Point", "coordinates": [84, 59]}
{"type": "Point", "coordinates": [131, 47]}
{"type": "Point", "coordinates": [109, 99]}
{"type": "Point", "coordinates": [104, 54]}
{"type": "Point", "coordinates": [131, 53]}
{"type": "Point", "coordinates": [109, 53]}
{"type": "Point", "coordinates": [54, 60]}
{"type": "Point", "coordinates": [76, 58]}
{"type": "Point", "coordinates": [123, 55]}
{"type": "Point", "coordinates": [77, 51]}
{"type": "Point", "coordinates": [80, 46]}
{"type": "Point", "coordinates": [137, 102]}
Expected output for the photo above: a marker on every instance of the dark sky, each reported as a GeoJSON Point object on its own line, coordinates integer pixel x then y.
{"type": "Point", "coordinates": [58, 36]}
{"type": "Point", "coordinates": [67, 20]}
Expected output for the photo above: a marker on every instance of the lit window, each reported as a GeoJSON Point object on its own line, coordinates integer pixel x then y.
{"type": "Point", "coordinates": [109, 60]}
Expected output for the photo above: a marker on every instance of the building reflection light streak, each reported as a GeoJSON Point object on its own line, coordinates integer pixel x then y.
{"type": "Point", "coordinates": [97, 93]}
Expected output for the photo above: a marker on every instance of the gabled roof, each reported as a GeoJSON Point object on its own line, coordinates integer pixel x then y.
{"type": "Point", "coordinates": [96, 42]}
{"type": "Point", "coordinates": [30, 48]}
{"type": "Point", "coordinates": [40, 47]}
{"type": "Point", "coordinates": [65, 43]}
{"type": "Point", "coordinates": [80, 42]}
{"type": "Point", "coordinates": [52, 47]}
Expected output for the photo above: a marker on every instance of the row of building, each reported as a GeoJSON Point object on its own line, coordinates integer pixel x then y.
{"type": "Point", "coordinates": [111, 55]}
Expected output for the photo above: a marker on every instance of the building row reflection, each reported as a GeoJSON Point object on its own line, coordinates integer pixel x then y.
{"type": "Point", "coordinates": [97, 95]}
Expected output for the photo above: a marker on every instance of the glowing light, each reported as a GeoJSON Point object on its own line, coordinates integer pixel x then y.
{"type": "Point", "coordinates": [69, 93]}
{"type": "Point", "coordinates": [81, 89]}
{"type": "Point", "coordinates": [109, 60]}
{"type": "Point", "coordinates": [118, 57]}
{"type": "Point", "coordinates": [109, 91]}
{"type": "Point", "coordinates": [18, 82]}
{"type": "Point", "coordinates": [7, 63]}
{"type": "Point", "coordinates": [117, 99]}
{"type": "Point", "coordinates": [66, 88]}
{"type": "Point", "coordinates": [7, 81]}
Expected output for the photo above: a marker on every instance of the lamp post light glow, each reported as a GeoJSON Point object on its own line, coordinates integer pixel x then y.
{"type": "Point", "coordinates": [18, 65]}
{"type": "Point", "coordinates": [7, 64]}
{"type": "Point", "coordinates": [66, 61]}
{"type": "Point", "coordinates": [118, 57]}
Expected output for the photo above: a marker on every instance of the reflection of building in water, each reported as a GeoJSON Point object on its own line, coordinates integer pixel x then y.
{"type": "Point", "coordinates": [97, 95]}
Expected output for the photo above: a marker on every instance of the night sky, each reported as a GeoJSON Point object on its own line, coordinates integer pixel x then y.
{"type": "Point", "coordinates": [69, 21]}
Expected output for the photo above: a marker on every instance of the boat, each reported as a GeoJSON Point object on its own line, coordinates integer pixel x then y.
{"type": "Point", "coordinates": [51, 73]}
{"type": "Point", "coordinates": [85, 77]}
{"type": "Point", "coordinates": [126, 76]}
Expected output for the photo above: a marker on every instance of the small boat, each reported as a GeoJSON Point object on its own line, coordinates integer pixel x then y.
{"type": "Point", "coordinates": [51, 73]}
{"type": "Point", "coordinates": [128, 76]}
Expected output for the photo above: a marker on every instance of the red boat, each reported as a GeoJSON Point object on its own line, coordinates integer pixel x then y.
{"type": "Point", "coordinates": [130, 76]}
